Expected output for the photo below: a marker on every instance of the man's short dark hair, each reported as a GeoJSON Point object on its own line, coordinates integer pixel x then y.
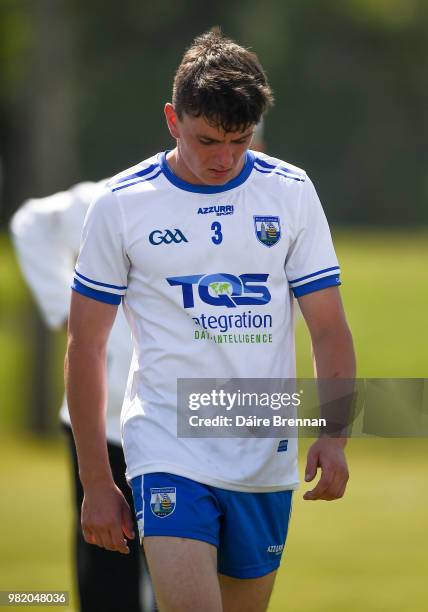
{"type": "Point", "coordinates": [221, 81]}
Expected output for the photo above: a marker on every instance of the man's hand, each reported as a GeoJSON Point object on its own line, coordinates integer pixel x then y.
{"type": "Point", "coordinates": [328, 454]}
{"type": "Point", "coordinates": [106, 517]}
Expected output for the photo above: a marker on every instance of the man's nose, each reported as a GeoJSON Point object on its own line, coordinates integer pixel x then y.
{"type": "Point", "coordinates": [225, 157]}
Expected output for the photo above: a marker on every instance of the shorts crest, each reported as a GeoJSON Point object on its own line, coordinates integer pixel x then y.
{"type": "Point", "coordinates": [163, 501]}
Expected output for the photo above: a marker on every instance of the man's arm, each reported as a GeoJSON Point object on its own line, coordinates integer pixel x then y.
{"type": "Point", "coordinates": [333, 358]}
{"type": "Point", "coordinates": [106, 516]}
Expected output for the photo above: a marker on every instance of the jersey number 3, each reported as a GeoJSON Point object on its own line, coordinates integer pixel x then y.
{"type": "Point", "coordinates": [218, 236]}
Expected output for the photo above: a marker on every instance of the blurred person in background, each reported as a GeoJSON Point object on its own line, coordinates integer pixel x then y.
{"type": "Point", "coordinates": [46, 235]}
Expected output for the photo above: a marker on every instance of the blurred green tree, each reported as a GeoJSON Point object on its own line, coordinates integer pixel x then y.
{"type": "Point", "coordinates": [349, 77]}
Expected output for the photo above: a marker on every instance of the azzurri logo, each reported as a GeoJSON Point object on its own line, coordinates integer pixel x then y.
{"type": "Point", "coordinates": [223, 289]}
{"type": "Point", "coordinates": [218, 210]}
{"type": "Point", "coordinates": [167, 236]}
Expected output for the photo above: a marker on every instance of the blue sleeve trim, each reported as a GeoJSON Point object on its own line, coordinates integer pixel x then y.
{"type": "Point", "coordinates": [138, 174]}
{"type": "Point", "coordinates": [119, 287]}
{"type": "Point", "coordinates": [316, 285]}
{"type": "Point", "coordinates": [294, 178]}
{"type": "Point", "coordinates": [265, 164]}
{"type": "Point", "coordinates": [100, 296]}
{"type": "Point", "coordinates": [297, 280]}
{"type": "Point", "coordinates": [143, 180]}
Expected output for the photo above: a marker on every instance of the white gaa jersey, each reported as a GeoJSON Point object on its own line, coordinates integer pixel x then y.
{"type": "Point", "coordinates": [46, 234]}
{"type": "Point", "coordinates": [206, 274]}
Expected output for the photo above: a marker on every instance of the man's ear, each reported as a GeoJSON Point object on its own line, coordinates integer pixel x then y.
{"type": "Point", "coordinates": [171, 120]}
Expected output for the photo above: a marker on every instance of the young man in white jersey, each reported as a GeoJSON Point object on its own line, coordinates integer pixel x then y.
{"type": "Point", "coordinates": [212, 513]}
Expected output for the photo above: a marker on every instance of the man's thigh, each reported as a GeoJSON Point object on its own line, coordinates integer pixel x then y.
{"type": "Point", "coordinates": [251, 594]}
{"type": "Point", "coordinates": [184, 574]}
{"type": "Point", "coordinates": [178, 522]}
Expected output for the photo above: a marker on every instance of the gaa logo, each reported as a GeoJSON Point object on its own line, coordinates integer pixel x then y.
{"type": "Point", "coordinates": [224, 289]}
{"type": "Point", "coordinates": [167, 236]}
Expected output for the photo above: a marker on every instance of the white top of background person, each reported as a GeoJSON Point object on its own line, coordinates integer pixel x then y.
{"type": "Point", "coordinates": [46, 234]}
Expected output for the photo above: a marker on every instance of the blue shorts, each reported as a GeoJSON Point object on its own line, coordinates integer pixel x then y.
{"type": "Point", "coordinates": [248, 529]}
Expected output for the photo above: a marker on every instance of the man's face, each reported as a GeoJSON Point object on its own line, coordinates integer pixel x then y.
{"type": "Point", "coordinates": [206, 155]}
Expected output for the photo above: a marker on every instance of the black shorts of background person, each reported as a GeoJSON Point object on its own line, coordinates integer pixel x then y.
{"type": "Point", "coordinates": [107, 580]}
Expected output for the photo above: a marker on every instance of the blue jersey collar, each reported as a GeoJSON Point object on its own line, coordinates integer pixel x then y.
{"type": "Point", "coordinates": [178, 182]}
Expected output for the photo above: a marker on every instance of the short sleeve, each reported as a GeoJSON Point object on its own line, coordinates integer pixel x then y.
{"type": "Point", "coordinates": [102, 267]}
{"type": "Point", "coordinates": [311, 262]}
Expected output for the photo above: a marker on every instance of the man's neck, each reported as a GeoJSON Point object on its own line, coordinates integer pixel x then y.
{"type": "Point", "coordinates": [178, 166]}
{"type": "Point", "coordinates": [180, 169]}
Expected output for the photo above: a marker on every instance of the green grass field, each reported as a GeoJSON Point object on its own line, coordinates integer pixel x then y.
{"type": "Point", "coordinates": [385, 292]}
{"type": "Point", "coordinates": [365, 552]}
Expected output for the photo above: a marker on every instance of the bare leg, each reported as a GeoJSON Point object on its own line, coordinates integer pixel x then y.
{"type": "Point", "coordinates": [184, 574]}
{"type": "Point", "coordinates": [251, 594]}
